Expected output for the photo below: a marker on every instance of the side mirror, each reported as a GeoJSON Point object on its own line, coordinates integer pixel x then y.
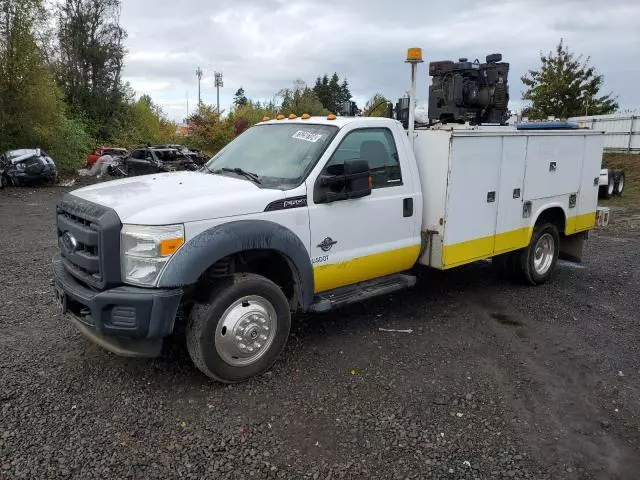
{"type": "Point", "coordinates": [342, 182]}
{"type": "Point", "coordinates": [358, 178]}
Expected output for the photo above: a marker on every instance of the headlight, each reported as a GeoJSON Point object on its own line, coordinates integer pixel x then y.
{"type": "Point", "coordinates": [145, 250]}
{"type": "Point", "coordinates": [21, 166]}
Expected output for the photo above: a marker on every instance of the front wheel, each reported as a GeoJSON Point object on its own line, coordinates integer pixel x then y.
{"type": "Point", "coordinates": [240, 331]}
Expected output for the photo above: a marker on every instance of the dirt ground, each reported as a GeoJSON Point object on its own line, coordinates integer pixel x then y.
{"type": "Point", "coordinates": [494, 381]}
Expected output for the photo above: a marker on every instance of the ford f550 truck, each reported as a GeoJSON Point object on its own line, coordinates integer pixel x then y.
{"type": "Point", "coordinates": [304, 214]}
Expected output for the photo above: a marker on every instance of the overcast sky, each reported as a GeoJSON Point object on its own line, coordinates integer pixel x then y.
{"type": "Point", "coordinates": [263, 45]}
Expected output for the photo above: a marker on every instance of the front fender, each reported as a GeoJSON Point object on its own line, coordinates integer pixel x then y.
{"type": "Point", "coordinates": [198, 254]}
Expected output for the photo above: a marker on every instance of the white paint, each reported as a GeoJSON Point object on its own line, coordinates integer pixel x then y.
{"type": "Point", "coordinates": [460, 165]}
{"type": "Point", "coordinates": [179, 197]}
{"type": "Point", "coordinates": [370, 224]}
{"type": "Point", "coordinates": [512, 171]}
{"type": "Point", "coordinates": [473, 173]}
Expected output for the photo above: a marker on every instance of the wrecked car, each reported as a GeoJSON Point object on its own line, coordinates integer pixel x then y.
{"type": "Point", "coordinates": [193, 153]}
{"type": "Point", "coordinates": [144, 161]}
{"type": "Point", "coordinates": [27, 166]}
{"type": "Point", "coordinates": [96, 153]}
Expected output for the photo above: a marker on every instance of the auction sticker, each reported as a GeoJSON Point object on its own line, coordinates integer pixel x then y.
{"type": "Point", "coordinates": [307, 136]}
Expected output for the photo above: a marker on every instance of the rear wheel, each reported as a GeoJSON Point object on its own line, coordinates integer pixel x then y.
{"type": "Point", "coordinates": [536, 263]}
{"type": "Point", "coordinates": [607, 191]}
{"type": "Point", "coordinates": [240, 331]}
{"type": "Point", "coordinates": [619, 184]}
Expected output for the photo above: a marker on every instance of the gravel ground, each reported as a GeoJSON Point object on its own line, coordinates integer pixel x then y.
{"type": "Point", "coordinates": [494, 381]}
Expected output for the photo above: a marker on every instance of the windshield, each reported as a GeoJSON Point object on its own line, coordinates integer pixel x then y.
{"type": "Point", "coordinates": [280, 154]}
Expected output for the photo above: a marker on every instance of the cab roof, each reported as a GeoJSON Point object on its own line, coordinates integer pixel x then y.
{"type": "Point", "coordinates": [338, 122]}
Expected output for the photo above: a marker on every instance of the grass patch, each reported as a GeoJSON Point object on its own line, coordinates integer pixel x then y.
{"type": "Point", "coordinates": [630, 163]}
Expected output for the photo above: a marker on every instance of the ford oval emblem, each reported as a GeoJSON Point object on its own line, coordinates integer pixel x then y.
{"type": "Point", "coordinates": [69, 241]}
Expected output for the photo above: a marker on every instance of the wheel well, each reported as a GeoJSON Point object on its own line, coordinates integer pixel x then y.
{"type": "Point", "coordinates": [555, 216]}
{"type": "Point", "coordinates": [270, 264]}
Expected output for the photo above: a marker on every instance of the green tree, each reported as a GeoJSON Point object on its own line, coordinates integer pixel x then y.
{"type": "Point", "coordinates": [331, 93]}
{"type": "Point", "coordinates": [145, 122]}
{"type": "Point", "coordinates": [376, 106]}
{"type": "Point", "coordinates": [566, 86]}
{"type": "Point", "coordinates": [240, 99]}
{"type": "Point", "coordinates": [209, 131]}
{"type": "Point", "coordinates": [245, 116]}
{"type": "Point", "coordinates": [32, 110]}
{"type": "Point", "coordinates": [90, 60]}
{"type": "Point", "coordinates": [300, 99]}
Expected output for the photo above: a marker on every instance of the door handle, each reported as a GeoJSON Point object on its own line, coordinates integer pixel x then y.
{"type": "Point", "coordinates": [491, 197]}
{"type": "Point", "coordinates": [407, 207]}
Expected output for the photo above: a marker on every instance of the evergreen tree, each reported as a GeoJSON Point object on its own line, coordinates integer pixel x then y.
{"type": "Point", "coordinates": [240, 99]}
{"type": "Point", "coordinates": [566, 86]}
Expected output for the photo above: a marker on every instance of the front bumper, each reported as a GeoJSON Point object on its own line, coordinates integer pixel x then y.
{"type": "Point", "coordinates": [128, 321]}
{"type": "Point", "coordinates": [29, 177]}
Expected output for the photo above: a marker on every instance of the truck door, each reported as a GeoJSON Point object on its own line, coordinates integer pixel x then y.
{"type": "Point", "coordinates": [364, 238]}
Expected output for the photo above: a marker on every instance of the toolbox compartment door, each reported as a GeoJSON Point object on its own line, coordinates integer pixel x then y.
{"type": "Point", "coordinates": [472, 198]}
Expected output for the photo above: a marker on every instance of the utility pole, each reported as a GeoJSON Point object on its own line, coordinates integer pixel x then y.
{"type": "Point", "coordinates": [199, 76]}
{"type": "Point", "coordinates": [218, 83]}
{"type": "Point", "coordinates": [586, 108]}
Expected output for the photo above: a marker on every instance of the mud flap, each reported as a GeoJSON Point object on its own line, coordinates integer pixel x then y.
{"type": "Point", "coordinates": [571, 247]}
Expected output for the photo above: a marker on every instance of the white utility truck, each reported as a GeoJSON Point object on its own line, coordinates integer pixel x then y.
{"type": "Point", "coordinates": [303, 214]}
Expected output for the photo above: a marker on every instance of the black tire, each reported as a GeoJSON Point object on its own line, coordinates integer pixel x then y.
{"type": "Point", "coordinates": [607, 191]}
{"type": "Point", "coordinates": [4, 181]}
{"type": "Point", "coordinates": [619, 183]}
{"type": "Point", "coordinates": [202, 327]}
{"type": "Point", "coordinates": [524, 262]}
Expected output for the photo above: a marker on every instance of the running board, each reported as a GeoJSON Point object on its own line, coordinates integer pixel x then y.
{"type": "Point", "coordinates": [360, 291]}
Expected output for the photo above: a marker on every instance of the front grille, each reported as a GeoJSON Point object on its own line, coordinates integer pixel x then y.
{"type": "Point", "coordinates": [89, 241]}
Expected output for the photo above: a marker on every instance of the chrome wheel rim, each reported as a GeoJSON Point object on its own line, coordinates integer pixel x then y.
{"type": "Point", "coordinates": [610, 187]}
{"type": "Point", "coordinates": [543, 253]}
{"type": "Point", "coordinates": [620, 184]}
{"type": "Point", "coordinates": [246, 331]}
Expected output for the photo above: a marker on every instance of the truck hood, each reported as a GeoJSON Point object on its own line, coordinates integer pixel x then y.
{"type": "Point", "coordinates": [179, 197]}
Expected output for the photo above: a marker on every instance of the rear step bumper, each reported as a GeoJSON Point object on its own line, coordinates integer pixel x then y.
{"type": "Point", "coordinates": [361, 291]}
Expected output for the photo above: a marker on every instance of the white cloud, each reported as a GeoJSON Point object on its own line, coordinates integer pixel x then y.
{"type": "Point", "coordinates": [263, 45]}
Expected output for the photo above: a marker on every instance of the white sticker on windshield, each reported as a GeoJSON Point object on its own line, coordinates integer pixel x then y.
{"type": "Point", "coordinates": [307, 136]}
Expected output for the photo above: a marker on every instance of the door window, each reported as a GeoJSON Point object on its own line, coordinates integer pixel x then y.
{"type": "Point", "coordinates": [376, 145]}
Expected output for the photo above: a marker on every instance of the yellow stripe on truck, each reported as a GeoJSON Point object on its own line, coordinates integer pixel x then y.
{"type": "Point", "coordinates": [485, 247]}
{"type": "Point", "coordinates": [335, 275]}
{"type": "Point", "coordinates": [512, 240]}
{"type": "Point", "coordinates": [580, 223]}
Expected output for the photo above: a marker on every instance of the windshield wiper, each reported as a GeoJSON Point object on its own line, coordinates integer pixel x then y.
{"type": "Point", "coordinates": [251, 176]}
